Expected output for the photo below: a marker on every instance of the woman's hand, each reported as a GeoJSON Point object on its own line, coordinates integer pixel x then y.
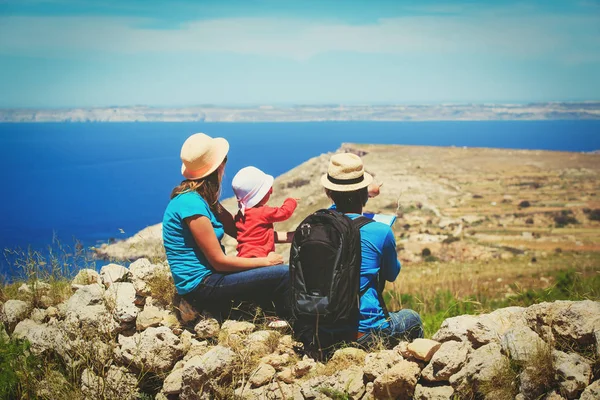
{"type": "Point", "coordinates": [274, 258]}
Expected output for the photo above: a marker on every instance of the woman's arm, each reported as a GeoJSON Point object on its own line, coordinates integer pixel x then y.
{"type": "Point", "coordinates": [207, 241]}
{"type": "Point", "coordinates": [227, 220]}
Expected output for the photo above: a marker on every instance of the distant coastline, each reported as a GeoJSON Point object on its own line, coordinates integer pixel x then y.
{"type": "Point", "coordinates": [311, 113]}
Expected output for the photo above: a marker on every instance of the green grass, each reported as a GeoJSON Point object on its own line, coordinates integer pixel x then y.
{"type": "Point", "coordinates": [569, 285]}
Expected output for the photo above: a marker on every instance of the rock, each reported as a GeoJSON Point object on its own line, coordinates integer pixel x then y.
{"type": "Point", "coordinates": [398, 382]}
{"type": "Point", "coordinates": [4, 338]}
{"type": "Point", "coordinates": [118, 384]}
{"type": "Point", "coordinates": [43, 338]}
{"type": "Point", "coordinates": [142, 273]}
{"type": "Point", "coordinates": [377, 363]}
{"type": "Point", "coordinates": [38, 315]}
{"type": "Point", "coordinates": [120, 297]}
{"type": "Point", "coordinates": [423, 349]}
{"type": "Point", "coordinates": [303, 367]}
{"type": "Point", "coordinates": [187, 313]}
{"type": "Point", "coordinates": [571, 320]}
{"type": "Point", "coordinates": [174, 381]}
{"type": "Point", "coordinates": [481, 367]}
{"type": "Point", "coordinates": [85, 296]}
{"type": "Point", "coordinates": [262, 375]}
{"type": "Point", "coordinates": [198, 370]}
{"type": "Point", "coordinates": [455, 328]}
{"type": "Point", "coordinates": [170, 321]}
{"type": "Point", "coordinates": [592, 392]}
{"type": "Point", "coordinates": [349, 353]}
{"type": "Point", "coordinates": [52, 312]}
{"type": "Point", "coordinates": [447, 361]}
{"type": "Point", "coordinates": [207, 328]}
{"type": "Point", "coordinates": [14, 311]}
{"type": "Point", "coordinates": [574, 373]}
{"type": "Point", "coordinates": [556, 396]}
{"type": "Point", "coordinates": [286, 375]}
{"type": "Point", "coordinates": [37, 287]}
{"type": "Point", "coordinates": [433, 393]}
{"type": "Point", "coordinates": [112, 273]}
{"type": "Point", "coordinates": [521, 342]}
{"type": "Point", "coordinates": [86, 276]}
{"type": "Point", "coordinates": [148, 317]}
{"type": "Point", "coordinates": [277, 361]}
{"type": "Point", "coordinates": [238, 327]}
{"type": "Point", "coordinates": [350, 382]}
{"type": "Point", "coordinates": [196, 349]}
{"type": "Point", "coordinates": [154, 350]}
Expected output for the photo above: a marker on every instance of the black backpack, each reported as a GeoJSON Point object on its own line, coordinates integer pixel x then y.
{"type": "Point", "coordinates": [325, 261]}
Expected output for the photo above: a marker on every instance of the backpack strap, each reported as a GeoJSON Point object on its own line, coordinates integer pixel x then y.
{"type": "Point", "coordinates": [359, 222]}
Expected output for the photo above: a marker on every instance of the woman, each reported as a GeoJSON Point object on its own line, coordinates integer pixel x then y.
{"type": "Point", "coordinates": [194, 224]}
{"type": "Point", "coordinates": [346, 184]}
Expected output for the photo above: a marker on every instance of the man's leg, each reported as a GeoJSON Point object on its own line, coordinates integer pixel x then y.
{"type": "Point", "coordinates": [405, 325]}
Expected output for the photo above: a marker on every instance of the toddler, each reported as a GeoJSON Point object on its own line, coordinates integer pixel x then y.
{"type": "Point", "coordinates": [254, 220]}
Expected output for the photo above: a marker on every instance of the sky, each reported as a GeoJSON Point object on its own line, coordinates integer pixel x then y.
{"type": "Point", "coordinates": [76, 53]}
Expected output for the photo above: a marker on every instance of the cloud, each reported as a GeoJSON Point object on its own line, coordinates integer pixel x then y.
{"type": "Point", "coordinates": [568, 37]}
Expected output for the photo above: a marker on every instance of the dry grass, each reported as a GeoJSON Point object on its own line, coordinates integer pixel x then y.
{"type": "Point", "coordinates": [504, 383]}
{"type": "Point", "coordinates": [162, 287]}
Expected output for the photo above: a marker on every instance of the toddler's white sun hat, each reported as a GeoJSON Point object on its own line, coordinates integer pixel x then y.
{"type": "Point", "coordinates": [201, 155]}
{"type": "Point", "coordinates": [250, 186]}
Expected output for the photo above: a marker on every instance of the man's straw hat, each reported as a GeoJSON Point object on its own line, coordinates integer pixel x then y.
{"type": "Point", "coordinates": [346, 173]}
{"type": "Point", "coordinates": [201, 155]}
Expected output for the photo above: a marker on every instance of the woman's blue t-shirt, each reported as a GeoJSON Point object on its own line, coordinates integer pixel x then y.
{"type": "Point", "coordinates": [188, 264]}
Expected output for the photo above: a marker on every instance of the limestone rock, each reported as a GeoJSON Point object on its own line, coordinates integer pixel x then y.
{"type": "Point", "coordinates": [117, 384]}
{"type": "Point", "coordinates": [262, 375]}
{"type": "Point", "coordinates": [37, 287]}
{"type": "Point", "coordinates": [43, 338]}
{"type": "Point", "coordinates": [349, 353]}
{"type": "Point", "coordinates": [112, 273]}
{"type": "Point", "coordinates": [481, 367]}
{"type": "Point", "coordinates": [423, 349]}
{"type": "Point", "coordinates": [521, 342]}
{"type": "Point", "coordinates": [238, 327]}
{"type": "Point", "coordinates": [455, 328]}
{"type": "Point", "coordinates": [447, 361]}
{"type": "Point", "coordinates": [277, 361]}
{"type": "Point", "coordinates": [286, 375]}
{"type": "Point", "coordinates": [155, 349]}
{"type": "Point", "coordinates": [14, 311]}
{"type": "Point", "coordinates": [574, 372]}
{"type": "Point", "coordinates": [38, 315]}
{"type": "Point", "coordinates": [350, 381]}
{"type": "Point", "coordinates": [174, 381]}
{"type": "Point", "coordinates": [196, 349]}
{"type": "Point", "coordinates": [433, 393]}
{"type": "Point", "coordinates": [198, 370]}
{"type": "Point", "coordinates": [120, 297]}
{"type": "Point", "coordinates": [571, 320]}
{"type": "Point", "coordinates": [207, 328]}
{"type": "Point", "coordinates": [592, 392]}
{"type": "Point", "coordinates": [303, 367]}
{"type": "Point", "coordinates": [142, 272]}
{"type": "Point", "coordinates": [377, 363]}
{"type": "Point", "coordinates": [86, 276]}
{"type": "Point", "coordinates": [398, 382]}
{"type": "Point", "coordinates": [148, 317]}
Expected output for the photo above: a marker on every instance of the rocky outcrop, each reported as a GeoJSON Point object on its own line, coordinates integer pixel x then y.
{"type": "Point", "coordinates": [124, 340]}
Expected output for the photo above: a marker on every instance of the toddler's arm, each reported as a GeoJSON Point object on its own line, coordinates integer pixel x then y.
{"type": "Point", "coordinates": [278, 214]}
{"type": "Point", "coordinates": [284, 237]}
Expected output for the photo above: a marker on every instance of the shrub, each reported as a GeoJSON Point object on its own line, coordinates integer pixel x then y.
{"type": "Point", "coordinates": [524, 204]}
{"type": "Point", "coordinates": [297, 183]}
{"type": "Point", "coordinates": [594, 215]}
{"type": "Point", "coordinates": [529, 221]}
{"type": "Point", "coordinates": [564, 218]}
{"type": "Point", "coordinates": [450, 239]}
{"type": "Point", "coordinates": [431, 259]}
{"type": "Point", "coordinates": [477, 196]}
{"type": "Point", "coordinates": [426, 252]}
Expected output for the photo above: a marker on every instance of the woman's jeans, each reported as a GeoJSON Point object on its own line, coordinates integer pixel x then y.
{"type": "Point", "coordinates": [265, 286]}
{"type": "Point", "coordinates": [403, 325]}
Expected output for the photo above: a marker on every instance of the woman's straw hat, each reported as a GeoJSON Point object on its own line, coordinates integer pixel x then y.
{"type": "Point", "coordinates": [201, 155]}
{"type": "Point", "coordinates": [346, 173]}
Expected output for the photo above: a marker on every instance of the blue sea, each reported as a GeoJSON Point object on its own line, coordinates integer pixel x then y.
{"type": "Point", "coordinates": [93, 182]}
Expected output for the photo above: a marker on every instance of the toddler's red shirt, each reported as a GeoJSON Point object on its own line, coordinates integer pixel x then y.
{"type": "Point", "coordinates": [255, 233]}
